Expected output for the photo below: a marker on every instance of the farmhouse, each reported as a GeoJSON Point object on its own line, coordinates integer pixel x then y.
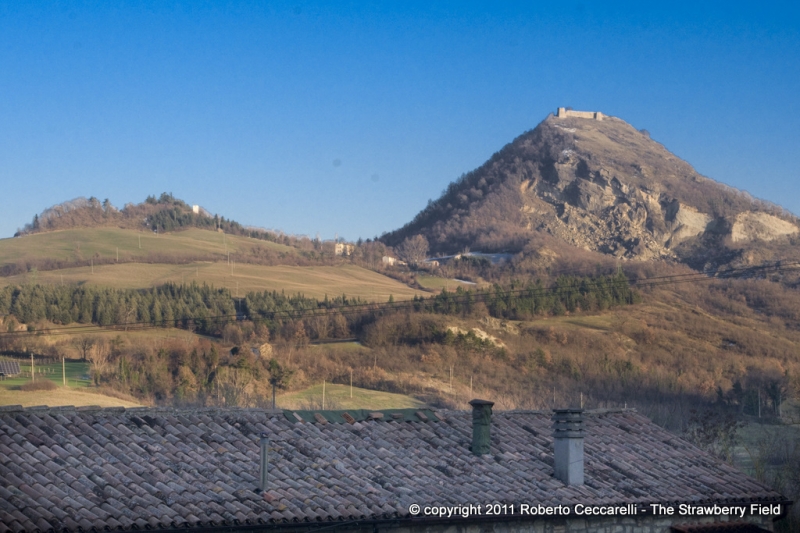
{"type": "Point", "coordinates": [406, 470]}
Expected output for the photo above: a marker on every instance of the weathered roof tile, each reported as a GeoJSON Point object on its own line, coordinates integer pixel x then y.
{"type": "Point", "coordinates": [157, 468]}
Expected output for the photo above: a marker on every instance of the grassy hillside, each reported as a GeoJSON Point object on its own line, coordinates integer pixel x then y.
{"type": "Point", "coordinates": [102, 244]}
{"type": "Point", "coordinates": [437, 283]}
{"type": "Point", "coordinates": [313, 281]}
{"type": "Point", "coordinates": [339, 397]}
{"type": "Point", "coordinates": [58, 397]}
{"type": "Point", "coordinates": [193, 255]}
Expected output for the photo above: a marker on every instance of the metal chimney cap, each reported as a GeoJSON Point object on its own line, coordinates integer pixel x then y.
{"type": "Point", "coordinates": [568, 411]}
{"type": "Point", "coordinates": [568, 423]}
{"type": "Point", "coordinates": [480, 403]}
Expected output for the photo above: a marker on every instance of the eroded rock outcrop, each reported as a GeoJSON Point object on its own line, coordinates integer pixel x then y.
{"type": "Point", "coordinates": [751, 226]}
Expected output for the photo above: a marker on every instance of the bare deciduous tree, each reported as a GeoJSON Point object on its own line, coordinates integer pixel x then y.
{"type": "Point", "coordinates": [234, 386]}
{"type": "Point", "coordinates": [414, 249]}
{"type": "Point", "coordinates": [84, 345]}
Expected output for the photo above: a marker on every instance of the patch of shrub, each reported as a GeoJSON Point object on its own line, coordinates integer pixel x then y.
{"type": "Point", "coordinates": [42, 384]}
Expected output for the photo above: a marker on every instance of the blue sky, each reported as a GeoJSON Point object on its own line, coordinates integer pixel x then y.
{"type": "Point", "coordinates": [326, 118]}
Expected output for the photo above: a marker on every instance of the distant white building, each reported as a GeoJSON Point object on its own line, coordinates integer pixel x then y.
{"type": "Point", "coordinates": [196, 209]}
{"type": "Point", "coordinates": [344, 249]}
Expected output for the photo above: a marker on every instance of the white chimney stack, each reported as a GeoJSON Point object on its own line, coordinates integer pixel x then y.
{"type": "Point", "coordinates": [568, 433]}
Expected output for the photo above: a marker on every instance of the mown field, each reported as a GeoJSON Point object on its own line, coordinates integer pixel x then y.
{"type": "Point", "coordinates": [313, 281]}
{"type": "Point", "coordinates": [148, 260]}
{"type": "Point", "coordinates": [104, 243]}
{"type": "Point", "coordinates": [78, 391]}
{"type": "Point", "coordinates": [339, 397]}
{"type": "Point", "coordinates": [59, 397]}
{"type": "Point", "coordinates": [438, 283]}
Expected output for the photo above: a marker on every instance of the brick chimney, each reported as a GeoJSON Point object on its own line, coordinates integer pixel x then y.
{"type": "Point", "coordinates": [481, 426]}
{"type": "Point", "coordinates": [568, 433]}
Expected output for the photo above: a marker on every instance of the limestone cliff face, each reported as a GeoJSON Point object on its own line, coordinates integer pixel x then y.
{"type": "Point", "coordinates": [598, 185]}
{"type": "Point", "coordinates": [750, 226]}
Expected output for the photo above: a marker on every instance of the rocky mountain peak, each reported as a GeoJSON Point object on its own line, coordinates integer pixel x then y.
{"type": "Point", "coordinates": [595, 182]}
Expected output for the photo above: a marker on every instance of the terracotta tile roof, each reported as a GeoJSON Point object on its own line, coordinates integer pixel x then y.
{"type": "Point", "coordinates": [158, 468]}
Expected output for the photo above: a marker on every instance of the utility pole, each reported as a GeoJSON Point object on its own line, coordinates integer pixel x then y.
{"type": "Point", "coordinates": [351, 383]}
{"type": "Point", "coordinates": [64, 371]}
{"type": "Point", "coordinates": [451, 378]}
{"type": "Point", "coordinates": [323, 394]}
{"type": "Point", "coordinates": [117, 254]}
{"type": "Point", "coordinates": [470, 386]}
{"type": "Point", "coordinates": [33, 378]}
{"type": "Point", "coordinates": [759, 393]}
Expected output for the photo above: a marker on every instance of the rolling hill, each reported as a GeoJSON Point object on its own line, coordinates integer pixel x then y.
{"type": "Point", "coordinates": [102, 245]}
{"type": "Point", "coordinates": [131, 259]}
{"type": "Point", "coordinates": [310, 281]}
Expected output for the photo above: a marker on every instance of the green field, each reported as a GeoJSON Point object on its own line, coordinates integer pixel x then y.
{"type": "Point", "coordinates": [315, 281]}
{"type": "Point", "coordinates": [436, 283]}
{"type": "Point", "coordinates": [77, 373]}
{"type": "Point", "coordinates": [338, 397]}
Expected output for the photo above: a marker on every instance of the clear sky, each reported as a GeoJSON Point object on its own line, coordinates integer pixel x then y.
{"type": "Point", "coordinates": [325, 118]}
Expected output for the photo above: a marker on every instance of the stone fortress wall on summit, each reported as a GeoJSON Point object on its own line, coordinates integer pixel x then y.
{"type": "Point", "coordinates": [563, 112]}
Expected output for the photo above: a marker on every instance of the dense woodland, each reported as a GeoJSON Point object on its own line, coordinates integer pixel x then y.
{"type": "Point", "coordinates": [207, 310]}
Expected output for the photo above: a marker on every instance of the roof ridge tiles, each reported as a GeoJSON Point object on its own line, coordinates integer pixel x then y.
{"type": "Point", "coordinates": [89, 408]}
